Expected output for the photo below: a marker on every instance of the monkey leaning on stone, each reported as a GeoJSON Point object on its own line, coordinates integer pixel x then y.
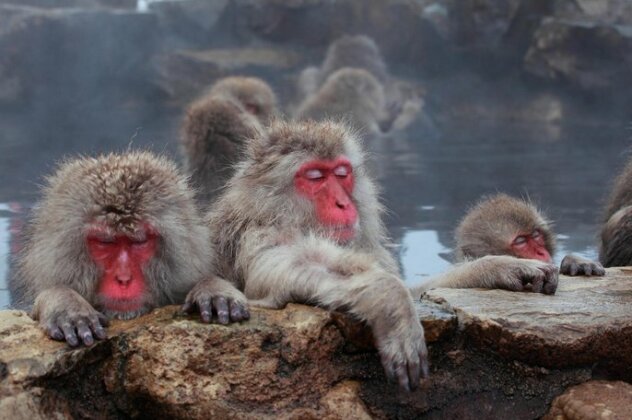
{"type": "Point", "coordinates": [113, 237]}
{"type": "Point", "coordinates": [300, 222]}
{"type": "Point", "coordinates": [504, 225]}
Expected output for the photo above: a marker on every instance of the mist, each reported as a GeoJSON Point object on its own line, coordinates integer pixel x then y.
{"type": "Point", "coordinates": [531, 98]}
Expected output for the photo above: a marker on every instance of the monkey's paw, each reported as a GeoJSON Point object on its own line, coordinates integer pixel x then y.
{"type": "Point", "coordinates": [404, 355]}
{"type": "Point", "coordinates": [573, 265]}
{"type": "Point", "coordinates": [76, 325]}
{"type": "Point", "coordinates": [217, 298]}
{"type": "Point", "coordinates": [533, 275]}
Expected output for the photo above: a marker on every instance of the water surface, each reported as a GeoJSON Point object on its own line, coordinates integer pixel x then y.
{"type": "Point", "coordinates": [428, 180]}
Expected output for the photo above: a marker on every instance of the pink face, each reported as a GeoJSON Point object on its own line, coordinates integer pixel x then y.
{"type": "Point", "coordinates": [122, 259]}
{"type": "Point", "coordinates": [531, 245]}
{"type": "Point", "coordinates": [328, 184]}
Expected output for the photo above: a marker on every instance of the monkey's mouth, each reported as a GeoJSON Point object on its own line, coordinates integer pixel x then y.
{"type": "Point", "coordinates": [118, 307]}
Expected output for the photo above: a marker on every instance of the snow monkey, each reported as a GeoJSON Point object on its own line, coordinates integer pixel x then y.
{"type": "Point", "coordinates": [114, 237]}
{"type": "Point", "coordinates": [504, 225]}
{"type": "Point", "coordinates": [616, 234]}
{"type": "Point", "coordinates": [353, 84]}
{"type": "Point", "coordinates": [300, 222]}
{"type": "Point", "coordinates": [216, 125]}
{"type": "Point", "coordinates": [357, 51]}
{"type": "Point", "coordinates": [351, 94]}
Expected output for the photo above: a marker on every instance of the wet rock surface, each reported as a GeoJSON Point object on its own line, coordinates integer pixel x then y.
{"type": "Point", "coordinates": [588, 321]}
{"type": "Point", "coordinates": [593, 400]}
{"type": "Point", "coordinates": [493, 353]}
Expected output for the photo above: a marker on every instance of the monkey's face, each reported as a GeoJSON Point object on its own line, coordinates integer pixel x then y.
{"type": "Point", "coordinates": [122, 289]}
{"type": "Point", "coordinates": [531, 245]}
{"type": "Point", "coordinates": [328, 185]}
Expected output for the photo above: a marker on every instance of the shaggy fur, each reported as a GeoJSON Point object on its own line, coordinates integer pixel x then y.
{"type": "Point", "coordinates": [492, 224]}
{"type": "Point", "coordinates": [351, 94]}
{"type": "Point", "coordinates": [216, 126]}
{"type": "Point", "coordinates": [120, 191]}
{"type": "Point", "coordinates": [616, 235]}
{"type": "Point", "coordinates": [357, 51]}
{"type": "Point", "coordinates": [248, 90]}
{"type": "Point", "coordinates": [270, 244]}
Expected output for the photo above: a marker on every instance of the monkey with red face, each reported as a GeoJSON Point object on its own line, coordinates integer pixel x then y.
{"type": "Point", "coordinates": [300, 222]}
{"type": "Point", "coordinates": [114, 237]}
{"type": "Point", "coordinates": [503, 225]}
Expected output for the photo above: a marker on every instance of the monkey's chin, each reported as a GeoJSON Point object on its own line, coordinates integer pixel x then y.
{"type": "Point", "coordinates": [343, 234]}
{"type": "Point", "coordinates": [122, 308]}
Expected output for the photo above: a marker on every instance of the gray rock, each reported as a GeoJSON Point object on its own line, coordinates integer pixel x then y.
{"type": "Point", "coordinates": [592, 56]}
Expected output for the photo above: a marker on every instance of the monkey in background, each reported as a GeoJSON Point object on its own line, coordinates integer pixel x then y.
{"type": "Point", "coordinates": [300, 222]}
{"type": "Point", "coordinates": [253, 94]}
{"type": "Point", "coordinates": [357, 51]}
{"type": "Point", "coordinates": [114, 237]}
{"type": "Point", "coordinates": [504, 225]}
{"type": "Point", "coordinates": [216, 125]}
{"type": "Point", "coordinates": [369, 99]}
{"type": "Point", "coordinates": [615, 249]}
{"type": "Point", "coordinates": [350, 94]}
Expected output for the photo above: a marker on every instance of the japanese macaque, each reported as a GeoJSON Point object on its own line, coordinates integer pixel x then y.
{"type": "Point", "coordinates": [357, 51]}
{"type": "Point", "coordinates": [350, 94]}
{"type": "Point", "coordinates": [616, 234]}
{"type": "Point", "coordinates": [216, 125]}
{"type": "Point", "coordinates": [353, 84]}
{"type": "Point", "coordinates": [253, 94]}
{"type": "Point", "coordinates": [504, 225]}
{"type": "Point", "coordinates": [114, 237]}
{"type": "Point", "coordinates": [300, 222]}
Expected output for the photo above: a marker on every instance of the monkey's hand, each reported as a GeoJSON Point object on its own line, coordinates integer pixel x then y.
{"type": "Point", "coordinates": [217, 297]}
{"type": "Point", "coordinates": [573, 265]}
{"type": "Point", "coordinates": [403, 352]}
{"type": "Point", "coordinates": [519, 274]}
{"type": "Point", "coordinates": [64, 315]}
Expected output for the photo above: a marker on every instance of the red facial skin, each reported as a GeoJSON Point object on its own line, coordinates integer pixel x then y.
{"type": "Point", "coordinates": [531, 246]}
{"type": "Point", "coordinates": [122, 258]}
{"type": "Point", "coordinates": [252, 108]}
{"type": "Point", "coordinates": [328, 184]}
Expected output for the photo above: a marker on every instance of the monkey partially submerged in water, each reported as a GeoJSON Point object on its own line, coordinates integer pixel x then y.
{"type": "Point", "coordinates": [114, 237]}
{"type": "Point", "coordinates": [300, 222]}
{"type": "Point", "coordinates": [216, 125]}
{"type": "Point", "coordinates": [504, 225]}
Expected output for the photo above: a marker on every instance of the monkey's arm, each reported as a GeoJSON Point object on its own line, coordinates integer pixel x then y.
{"type": "Point", "coordinates": [572, 265]}
{"type": "Point", "coordinates": [496, 272]}
{"type": "Point", "coordinates": [65, 315]}
{"type": "Point", "coordinates": [219, 297]}
{"type": "Point", "coordinates": [317, 271]}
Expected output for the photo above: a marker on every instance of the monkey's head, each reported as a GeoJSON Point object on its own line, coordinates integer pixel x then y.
{"type": "Point", "coordinates": [358, 87]}
{"type": "Point", "coordinates": [113, 227]}
{"type": "Point", "coordinates": [358, 51]}
{"type": "Point", "coordinates": [503, 225]}
{"type": "Point", "coordinates": [311, 175]}
{"type": "Point", "coordinates": [252, 93]}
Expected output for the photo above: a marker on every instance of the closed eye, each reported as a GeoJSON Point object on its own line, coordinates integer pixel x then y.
{"type": "Point", "coordinates": [314, 174]}
{"type": "Point", "coordinates": [341, 171]}
{"type": "Point", "coordinates": [520, 240]}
